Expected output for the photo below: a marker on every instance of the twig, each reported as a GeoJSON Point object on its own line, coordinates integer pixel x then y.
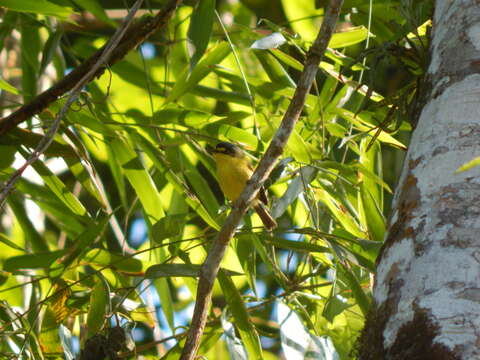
{"type": "Point", "coordinates": [135, 36]}
{"type": "Point", "coordinates": [212, 263]}
{"type": "Point", "coordinates": [48, 138]}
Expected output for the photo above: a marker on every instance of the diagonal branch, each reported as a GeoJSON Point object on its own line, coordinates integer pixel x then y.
{"type": "Point", "coordinates": [212, 263]}
{"type": "Point", "coordinates": [136, 34]}
{"type": "Point", "coordinates": [48, 138]}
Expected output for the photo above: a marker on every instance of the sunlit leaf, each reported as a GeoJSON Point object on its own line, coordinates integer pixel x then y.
{"type": "Point", "coordinates": [469, 165]}
{"type": "Point", "coordinates": [38, 6]}
{"type": "Point", "coordinates": [7, 87]}
{"type": "Point", "coordinates": [97, 309]}
{"type": "Point", "coordinates": [237, 307]}
{"type": "Point", "coordinates": [200, 30]}
{"type": "Point", "coordinates": [178, 270]}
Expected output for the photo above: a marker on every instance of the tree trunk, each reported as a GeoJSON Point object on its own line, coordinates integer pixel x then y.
{"type": "Point", "coordinates": [427, 290]}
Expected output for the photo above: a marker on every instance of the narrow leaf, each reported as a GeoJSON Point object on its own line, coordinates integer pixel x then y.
{"type": "Point", "coordinates": [200, 30]}
{"type": "Point", "coordinates": [237, 307]}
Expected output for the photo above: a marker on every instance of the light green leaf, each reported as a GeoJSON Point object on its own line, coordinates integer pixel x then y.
{"type": "Point", "coordinates": [237, 307]}
{"type": "Point", "coordinates": [469, 165]}
{"type": "Point", "coordinates": [58, 187]}
{"type": "Point", "coordinates": [275, 71]}
{"type": "Point", "coordinates": [43, 7]}
{"type": "Point", "coordinates": [178, 270]}
{"type": "Point", "coordinates": [97, 309]}
{"type": "Point", "coordinates": [352, 36]}
{"type": "Point", "coordinates": [200, 30]}
{"type": "Point", "coordinates": [157, 158]}
{"type": "Point", "coordinates": [50, 49]}
{"type": "Point", "coordinates": [7, 87]}
{"type": "Point", "coordinates": [362, 299]}
{"type": "Point", "coordinates": [32, 261]}
{"type": "Point", "coordinates": [122, 263]}
{"type": "Point", "coordinates": [190, 79]}
{"type": "Point", "coordinates": [140, 179]}
{"type": "Point", "coordinates": [96, 9]}
{"type": "Point", "coordinates": [367, 128]}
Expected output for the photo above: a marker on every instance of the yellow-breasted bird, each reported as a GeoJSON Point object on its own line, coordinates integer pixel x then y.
{"type": "Point", "coordinates": [233, 172]}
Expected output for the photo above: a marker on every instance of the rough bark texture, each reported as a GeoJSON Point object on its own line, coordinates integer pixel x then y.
{"type": "Point", "coordinates": [427, 290]}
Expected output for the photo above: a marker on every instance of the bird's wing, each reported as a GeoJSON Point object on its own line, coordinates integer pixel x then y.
{"type": "Point", "coordinates": [262, 195]}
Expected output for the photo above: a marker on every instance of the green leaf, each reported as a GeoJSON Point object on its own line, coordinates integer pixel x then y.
{"type": "Point", "coordinates": [178, 270]}
{"type": "Point", "coordinates": [5, 240]}
{"type": "Point", "coordinates": [8, 156]}
{"type": "Point", "coordinates": [246, 254]}
{"type": "Point", "coordinates": [58, 187]}
{"type": "Point", "coordinates": [200, 30]}
{"type": "Point", "coordinates": [49, 338]}
{"type": "Point", "coordinates": [275, 71]}
{"type": "Point", "coordinates": [469, 165]}
{"type": "Point", "coordinates": [32, 261]}
{"type": "Point", "coordinates": [43, 7]}
{"type": "Point", "coordinates": [104, 258]}
{"type": "Point", "coordinates": [61, 215]}
{"type": "Point", "coordinates": [80, 246]}
{"type": "Point", "coordinates": [236, 97]}
{"type": "Point", "coordinates": [7, 87]}
{"type": "Point", "coordinates": [50, 49]}
{"type": "Point", "coordinates": [237, 307]}
{"type": "Point", "coordinates": [140, 180]}
{"type": "Point", "coordinates": [352, 36]}
{"type": "Point", "coordinates": [210, 338]}
{"type": "Point", "coordinates": [297, 186]}
{"type": "Point", "coordinates": [334, 307]}
{"type": "Point", "coordinates": [96, 9]}
{"type": "Point", "coordinates": [157, 158]}
{"type": "Point", "coordinates": [297, 341]}
{"type": "Point", "coordinates": [371, 196]}
{"type": "Point", "coordinates": [32, 236]}
{"type": "Point", "coordinates": [300, 246]}
{"type": "Point", "coordinates": [135, 75]}
{"type": "Point", "coordinates": [189, 79]}
{"type": "Point", "coordinates": [232, 133]}
{"type": "Point", "coordinates": [367, 128]}
{"type": "Point", "coordinates": [168, 226]}
{"type": "Point", "coordinates": [30, 139]}
{"type": "Point", "coordinates": [30, 50]}
{"type": "Point", "coordinates": [97, 309]}
{"type": "Point", "coordinates": [362, 299]}
{"type": "Point", "coordinates": [163, 290]}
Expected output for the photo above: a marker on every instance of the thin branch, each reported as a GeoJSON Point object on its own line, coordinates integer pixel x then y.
{"type": "Point", "coordinates": [103, 59]}
{"type": "Point", "coordinates": [212, 263]}
{"type": "Point", "coordinates": [131, 39]}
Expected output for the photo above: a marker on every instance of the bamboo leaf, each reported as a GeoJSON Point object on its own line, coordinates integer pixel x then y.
{"type": "Point", "coordinates": [237, 307]}
{"type": "Point", "coordinates": [200, 30]}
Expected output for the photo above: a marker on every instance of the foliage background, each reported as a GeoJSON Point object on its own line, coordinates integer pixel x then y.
{"type": "Point", "coordinates": [109, 228]}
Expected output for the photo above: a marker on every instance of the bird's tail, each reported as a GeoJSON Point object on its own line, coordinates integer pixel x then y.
{"type": "Point", "coordinates": [265, 216]}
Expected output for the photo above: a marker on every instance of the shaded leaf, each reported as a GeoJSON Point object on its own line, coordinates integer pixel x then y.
{"type": "Point", "coordinates": [178, 270]}
{"type": "Point", "coordinates": [200, 30]}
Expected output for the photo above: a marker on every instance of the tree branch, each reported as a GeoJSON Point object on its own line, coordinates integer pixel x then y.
{"type": "Point", "coordinates": [48, 138]}
{"type": "Point", "coordinates": [132, 38]}
{"type": "Point", "coordinates": [212, 263]}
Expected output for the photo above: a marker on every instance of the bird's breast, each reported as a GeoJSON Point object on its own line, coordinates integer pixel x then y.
{"type": "Point", "coordinates": [233, 174]}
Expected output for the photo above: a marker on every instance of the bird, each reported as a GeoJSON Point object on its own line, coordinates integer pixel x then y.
{"type": "Point", "coordinates": [233, 172]}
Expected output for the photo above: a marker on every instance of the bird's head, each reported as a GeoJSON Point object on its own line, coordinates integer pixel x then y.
{"type": "Point", "coordinates": [228, 149]}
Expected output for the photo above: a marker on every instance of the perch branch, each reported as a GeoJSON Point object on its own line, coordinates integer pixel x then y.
{"type": "Point", "coordinates": [212, 263]}
{"type": "Point", "coordinates": [48, 138]}
{"type": "Point", "coordinates": [136, 34]}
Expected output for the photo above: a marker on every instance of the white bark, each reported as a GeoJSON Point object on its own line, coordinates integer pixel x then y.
{"type": "Point", "coordinates": [428, 277]}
